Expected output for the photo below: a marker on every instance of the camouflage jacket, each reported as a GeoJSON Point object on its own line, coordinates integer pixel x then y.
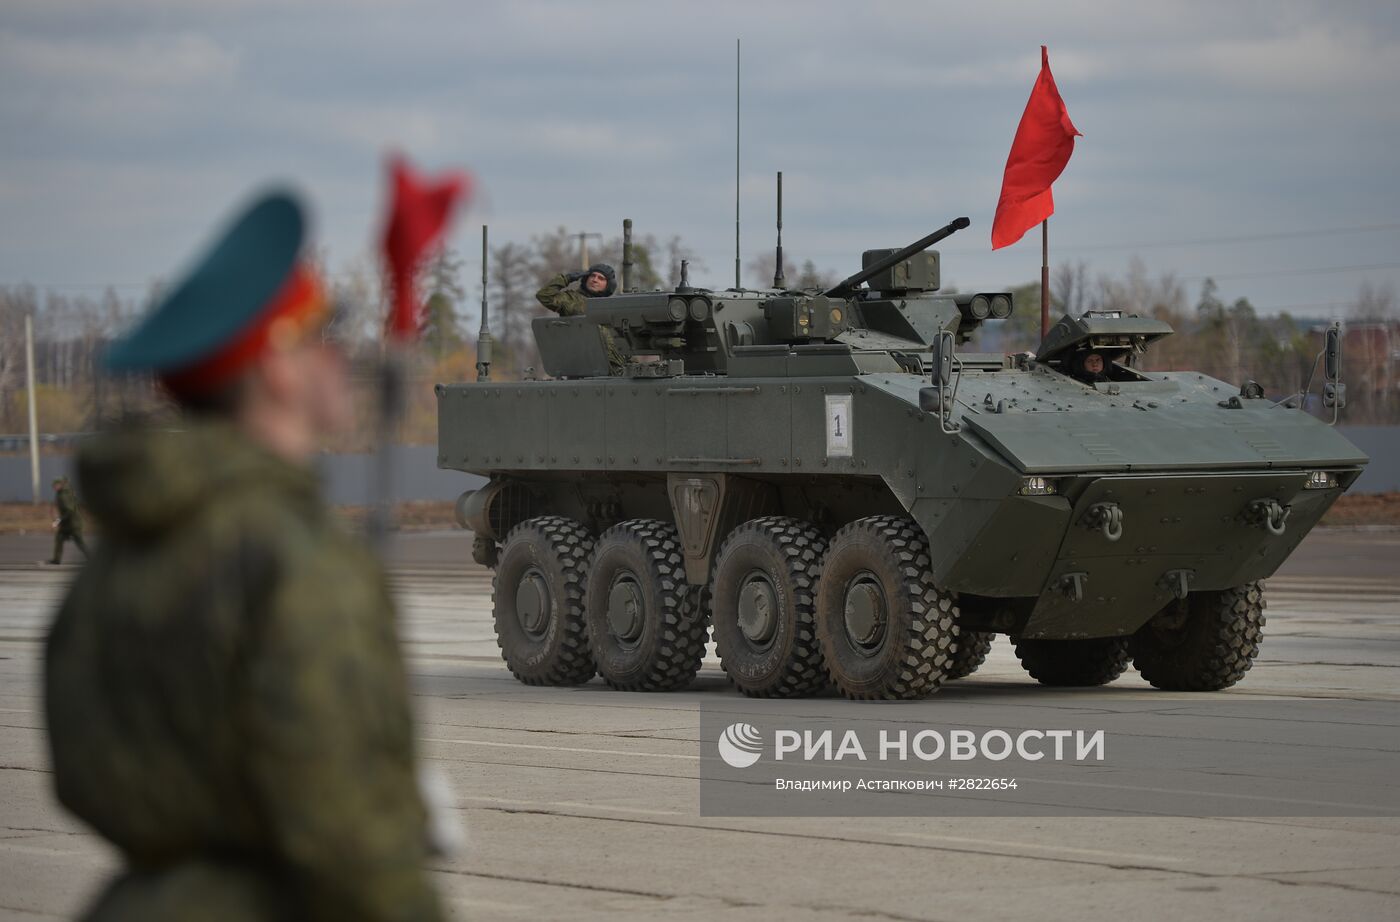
{"type": "Point", "coordinates": [557, 296]}
{"type": "Point", "coordinates": [66, 502]}
{"type": "Point", "coordinates": [225, 693]}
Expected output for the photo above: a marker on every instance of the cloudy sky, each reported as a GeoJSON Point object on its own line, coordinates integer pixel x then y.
{"type": "Point", "coordinates": [1255, 142]}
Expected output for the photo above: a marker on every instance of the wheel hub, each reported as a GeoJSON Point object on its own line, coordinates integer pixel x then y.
{"type": "Point", "coordinates": [866, 613]}
{"type": "Point", "coordinates": [532, 603]}
{"type": "Point", "coordinates": [625, 608]}
{"type": "Point", "coordinates": [758, 609]}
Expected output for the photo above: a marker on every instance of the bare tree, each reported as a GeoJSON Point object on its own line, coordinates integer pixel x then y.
{"type": "Point", "coordinates": [760, 269]}
{"type": "Point", "coordinates": [15, 304]}
{"type": "Point", "coordinates": [811, 277]}
{"type": "Point", "coordinates": [441, 326]}
{"type": "Point", "coordinates": [1374, 303]}
{"type": "Point", "coordinates": [513, 279]}
{"type": "Point", "coordinates": [1373, 342]}
{"type": "Point", "coordinates": [1069, 287]}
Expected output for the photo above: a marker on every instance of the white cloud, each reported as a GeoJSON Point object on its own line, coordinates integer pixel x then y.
{"type": "Point", "coordinates": [184, 60]}
{"type": "Point", "coordinates": [127, 127]}
{"type": "Point", "coordinates": [1312, 59]}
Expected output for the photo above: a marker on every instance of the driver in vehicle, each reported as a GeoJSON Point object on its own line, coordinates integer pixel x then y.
{"type": "Point", "coordinates": [1089, 367]}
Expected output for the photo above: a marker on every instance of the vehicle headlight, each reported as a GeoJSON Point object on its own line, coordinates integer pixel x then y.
{"type": "Point", "coordinates": [1320, 480]}
{"type": "Point", "coordinates": [1037, 486]}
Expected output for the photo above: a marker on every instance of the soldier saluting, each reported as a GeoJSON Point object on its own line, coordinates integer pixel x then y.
{"type": "Point", "coordinates": [597, 281]}
{"type": "Point", "coordinates": [225, 693]}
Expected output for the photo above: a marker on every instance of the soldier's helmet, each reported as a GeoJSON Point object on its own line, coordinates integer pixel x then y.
{"type": "Point", "coordinates": [606, 272]}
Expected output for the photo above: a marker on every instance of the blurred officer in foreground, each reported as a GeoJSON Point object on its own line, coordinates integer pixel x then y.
{"type": "Point", "coordinates": [69, 524]}
{"type": "Point", "coordinates": [597, 281]}
{"type": "Point", "coordinates": [225, 692]}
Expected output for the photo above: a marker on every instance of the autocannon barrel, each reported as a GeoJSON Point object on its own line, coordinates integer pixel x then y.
{"type": "Point", "coordinates": [845, 288]}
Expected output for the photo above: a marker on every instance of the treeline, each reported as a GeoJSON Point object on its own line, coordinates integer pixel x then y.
{"type": "Point", "coordinates": [72, 332]}
{"type": "Point", "coordinates": [1229, 341]}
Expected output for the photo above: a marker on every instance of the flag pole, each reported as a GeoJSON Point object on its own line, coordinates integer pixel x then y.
{"type": "Point", "coordinates": [1044, 277]}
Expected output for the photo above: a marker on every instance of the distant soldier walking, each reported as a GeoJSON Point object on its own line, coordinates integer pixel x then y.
{"type": "Point", "coordinates": [597, 281]}
{"type": "Point", "coordinates": [225, 693]}
{"type": "Point", "coordinates": [69, 524]}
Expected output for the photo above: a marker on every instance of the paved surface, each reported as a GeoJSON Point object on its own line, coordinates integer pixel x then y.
{"type": "Point", "coordinates": [583, 803]}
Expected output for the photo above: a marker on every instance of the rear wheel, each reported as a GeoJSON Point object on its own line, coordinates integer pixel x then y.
{"type": "Point", "coordinates": [886, 629]}
{"type": "Point", "coordinates": [971, 652]}
{"type": "Point", "coordinates": [537, 601]}
{"type": "Point", "coordinates": [646, 625]}
{"type": "Point", "coordinates": [1074, 663]}
{"type": "Point", "coordinates": [763, 602]}
{"type": "Point", "coordinates": [1206, 642]}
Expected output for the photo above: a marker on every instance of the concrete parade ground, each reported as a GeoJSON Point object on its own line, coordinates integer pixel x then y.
{"type": "Point", "coordinates": [583, 803]}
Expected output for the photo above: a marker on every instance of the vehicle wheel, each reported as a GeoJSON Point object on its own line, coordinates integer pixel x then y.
{"type": "Point", "coordinates": [886, 630]}
{"type": "Point", "coordinates": [971, 652]}
{"type": "Point", "coordinates": [646, 625]}
{"type": "Point", "coordinates": [537, 596]}
{"type": "Point", "coordinates": [1073, 663]}
{"type": "Point", "coordinates": [1205, 643]}
{"type": "Point", "coordinates": [763, 600]}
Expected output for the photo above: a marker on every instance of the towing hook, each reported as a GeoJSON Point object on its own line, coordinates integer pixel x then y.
{"type": "Point", "coordinates": [1108, 517]}
{"type": "Point", "coordinates": [1269, 514]}
{"type": "Point", "coordinates": [1072, 585]}
{"type": "Point", "coordinates": [1177, 582]}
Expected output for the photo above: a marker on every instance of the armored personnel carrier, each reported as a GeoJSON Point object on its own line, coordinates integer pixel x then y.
{"type": "Point", "coordinates": [824, 481]}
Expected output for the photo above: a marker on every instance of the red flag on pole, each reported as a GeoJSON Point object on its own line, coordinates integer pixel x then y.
{"type": "Point", "coordinates": [418, 214]}
{"type": "Point", "coordinates": [1044, 141]}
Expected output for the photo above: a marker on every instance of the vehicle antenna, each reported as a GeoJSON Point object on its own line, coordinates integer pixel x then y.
{"type": "Point", "coordinates": [483, 337]}
{"type": "Point", "coordinates": [626, 255]}
{"type": "Point", "coordinates": [737, 58]}
{"type": "Point", "coordinates": [778, 281]}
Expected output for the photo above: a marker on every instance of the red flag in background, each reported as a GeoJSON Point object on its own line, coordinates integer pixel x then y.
{"type": "Point", "coordinates": [418, 215]}
{"type": "Point", "coordinates": [1044, 141]}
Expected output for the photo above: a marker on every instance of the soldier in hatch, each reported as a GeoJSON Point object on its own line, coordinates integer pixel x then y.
{"type": "Point", "coordinates": [597, 281]}
{"type": "Point", "coordinates": [1089, 367]}
{"type": "Point", "coordinates": [225, 694]}
{"type": "Point", "coordinates": [69, 524]}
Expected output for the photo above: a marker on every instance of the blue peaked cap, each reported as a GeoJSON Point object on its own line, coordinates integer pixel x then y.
{"type": "Point", "coordinates": [225, 291]}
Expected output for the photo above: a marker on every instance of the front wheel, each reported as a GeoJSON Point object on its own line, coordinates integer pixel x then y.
{"type": "Point", "coordinates": [886, 629]}
{"type": "Point", "coordinates": [1205, 642]}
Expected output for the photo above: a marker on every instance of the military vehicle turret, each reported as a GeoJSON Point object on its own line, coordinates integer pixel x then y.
{"type": "Point", "coordinates": [823, 479]}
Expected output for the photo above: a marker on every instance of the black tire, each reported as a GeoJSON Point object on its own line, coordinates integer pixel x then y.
{"type": "Point", "coordinates": [763, 608]}
{"type": "Point", "coordinates": [662, 646]}
{"type": "Point", "coordinates": [1073, 663]}
{"type": "Point", "coordinates": [971, 652]}
{"type": "Point", "coordinates": [538, 601]}
{"type": "Point", "coordinates": [902, 646]}
{"type": "Point", "coordinates": [1206, 643]}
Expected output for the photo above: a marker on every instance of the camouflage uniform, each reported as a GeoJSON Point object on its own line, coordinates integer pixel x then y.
{"type": "Point", "coordinates": [225, 695]}
{"type": "Point", "coordinates": [70, 523]}
{"type": "Point", "coordinates": [558, 297]}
